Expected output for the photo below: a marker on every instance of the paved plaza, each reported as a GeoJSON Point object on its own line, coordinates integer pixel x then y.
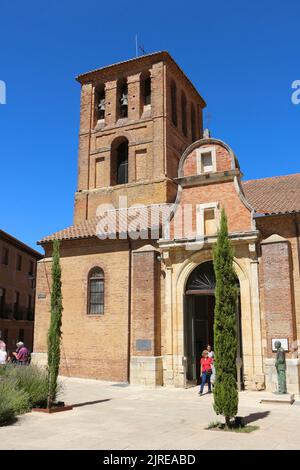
{"type": "Point", "coordinates": [113, 416]}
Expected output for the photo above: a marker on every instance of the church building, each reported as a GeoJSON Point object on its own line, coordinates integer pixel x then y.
{"type": "Point", "coordinates": [137, 274]}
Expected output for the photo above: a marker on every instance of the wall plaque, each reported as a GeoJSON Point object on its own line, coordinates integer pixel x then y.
{"type": "Point", "coordinates": [41, 295]}
{"type": "Point", "coordinates": [143, 345]}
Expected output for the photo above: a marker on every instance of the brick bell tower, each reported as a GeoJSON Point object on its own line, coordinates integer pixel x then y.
{"type": "Point", "coordinates": [136, 118]}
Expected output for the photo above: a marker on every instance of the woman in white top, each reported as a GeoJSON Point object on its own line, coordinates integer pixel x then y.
{"type": "Point", "coordinates": [3, 353]}
{"type": "Point", "coordinates": [211, 354]}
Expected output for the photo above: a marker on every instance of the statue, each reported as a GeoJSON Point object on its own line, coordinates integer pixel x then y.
{"type": "Point", "coordinates": [280, 365]}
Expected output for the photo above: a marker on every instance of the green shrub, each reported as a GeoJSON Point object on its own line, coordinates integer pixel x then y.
{"type": "Point", "coordinates": [7, 412]}
{"type": "Point", "coordinates": [33, 381]}
{"type": "Point", "coordinates": [12, 398]}
{"type": "Point", "coordinates": [4, 370]}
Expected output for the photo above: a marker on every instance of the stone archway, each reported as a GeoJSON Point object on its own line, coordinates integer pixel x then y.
{"type": "Point", "coordinates": [198, 311]}
{"type": "Point", "coordinates": [176, 279]}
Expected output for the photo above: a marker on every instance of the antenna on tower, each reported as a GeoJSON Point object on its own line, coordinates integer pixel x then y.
{"type": "Point", "coordinates": [139, 48]}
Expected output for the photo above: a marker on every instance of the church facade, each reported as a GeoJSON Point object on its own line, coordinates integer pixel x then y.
{"type": "Point", "coordinates": [137, 274]}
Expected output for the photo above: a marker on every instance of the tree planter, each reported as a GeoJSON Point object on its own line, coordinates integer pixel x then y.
{"type": "Point", "coordinates": [54, 409]}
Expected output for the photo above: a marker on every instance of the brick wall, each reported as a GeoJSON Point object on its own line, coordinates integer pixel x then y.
{"type": "Point", "coordinates": [92, 346]}
{"type": "Point", "coordinates": [285, 226]}
{"type": "Point", "coordinates": [145, 321]}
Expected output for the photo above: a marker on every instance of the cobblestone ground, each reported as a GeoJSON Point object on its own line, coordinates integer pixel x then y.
{"type": "Point", "coordinates": [113, 416]}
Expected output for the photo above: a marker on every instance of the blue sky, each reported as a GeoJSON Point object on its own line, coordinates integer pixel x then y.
{"type": "Point", "coordinates": [242, 57]}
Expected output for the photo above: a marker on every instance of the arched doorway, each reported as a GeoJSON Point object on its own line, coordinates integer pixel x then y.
{"type": "Point", "coordinates": [199, 304]}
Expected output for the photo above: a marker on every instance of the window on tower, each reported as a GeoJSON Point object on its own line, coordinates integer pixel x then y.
{"type": "Point", "coordinates": [174, 102]}
{"type": "Point", "coordinates": [119, 162]}
{"type": "Point", "coordinates": [100, 103]}
{"type": "Point", "coordinates": [123, 99]}
{"type": "Point", "coordinates": [147, 91]}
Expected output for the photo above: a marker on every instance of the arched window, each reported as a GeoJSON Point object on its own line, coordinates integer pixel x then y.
{"type": "Point", "coordinates": [96, 292]}
{"type": "Point", "coordinates": [123, 99]}
{"type": "Point", "coordinates": [183, 114]}
{"type": "Point", "coordinates": [147, 91]}
{"type": "Point", "coordinates": [100, 102]}
{"type": "Point", "coordinates": [193, 122]}
{"type": "Point", "coordinates": [119, 162]}
{"type": "Point", "coordinates": [174, 102]}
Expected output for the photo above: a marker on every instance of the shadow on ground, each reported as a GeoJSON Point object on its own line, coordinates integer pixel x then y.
{"type": "Point", "coordinates": [86, 403]}
{"type": "Point", "coordinates": [256, 416]}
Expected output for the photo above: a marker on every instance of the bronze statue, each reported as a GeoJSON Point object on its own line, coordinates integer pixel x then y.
{"type": "Point", "coordinates": [280, 365]}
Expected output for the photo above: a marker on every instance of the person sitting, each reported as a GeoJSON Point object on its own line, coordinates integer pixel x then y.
{"type": "Point", "coordinates": [3, 353]}
{"type": "Point", "coordinates": [21, 355]}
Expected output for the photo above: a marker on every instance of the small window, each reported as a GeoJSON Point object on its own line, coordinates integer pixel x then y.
{"type": "Point", "coordinates": [96, 292]}
{"type": "Point", "coordinates": [210, 226]}
{"type": "Point", "coordinates": [31, 268]}
{"type": "Point", "coordinates": [174, 103]}
{"type": "Point", "coordinates": [19, 263]}
{"type": "Point", "coordinates": [207, 163]}
{"type": "Point", "coordinates": [206, 160]}
{"type": "Point", "coordinates": [4, 255]}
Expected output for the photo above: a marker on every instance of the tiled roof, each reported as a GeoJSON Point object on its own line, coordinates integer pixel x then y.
{"type": "Point", "coordinates": [115, 222]}
{"type": "Point", "coordinates": [275, 195]}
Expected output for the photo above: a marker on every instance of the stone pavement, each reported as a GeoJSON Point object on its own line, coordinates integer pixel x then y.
{"type": "Point", "coordinates": [114, 416]}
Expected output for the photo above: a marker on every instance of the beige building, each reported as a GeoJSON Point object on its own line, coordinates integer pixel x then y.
{"type": "Point", "coordinates": [138, 283]}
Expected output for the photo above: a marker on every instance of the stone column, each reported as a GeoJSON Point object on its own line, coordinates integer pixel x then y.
{"type": "Point", "coordinates": [145, 360]}
{"type": "Point", "coordinates": [258, 373]}
{"type": "Point", "coordinates": [168, 363]}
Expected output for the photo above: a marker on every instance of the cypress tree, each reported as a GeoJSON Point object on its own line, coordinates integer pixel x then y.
{"type": "Point", "coordinates": [225, 334]}
{"type": "Point", "coordinates": [54, 332]}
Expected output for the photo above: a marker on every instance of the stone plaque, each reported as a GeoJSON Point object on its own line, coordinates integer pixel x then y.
{"type": "Point", "coordinates": [143, 345]}
{"type": "Point", "coordinates": [41, 295]}
{"type": "Point", "coordinates": [284, 343]}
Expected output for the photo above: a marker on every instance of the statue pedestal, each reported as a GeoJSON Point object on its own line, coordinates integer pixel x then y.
{"type": "Point", "coordinates": [277, 398]}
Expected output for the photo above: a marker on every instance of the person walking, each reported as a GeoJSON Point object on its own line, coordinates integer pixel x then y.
{"type": "Point", "coordinates": [206, 371]}
{"type": "Point", "coordinates": [211, 354]}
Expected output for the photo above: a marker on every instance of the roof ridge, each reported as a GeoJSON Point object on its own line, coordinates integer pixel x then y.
{"type": "Point", "coordinates": [268, 178]}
